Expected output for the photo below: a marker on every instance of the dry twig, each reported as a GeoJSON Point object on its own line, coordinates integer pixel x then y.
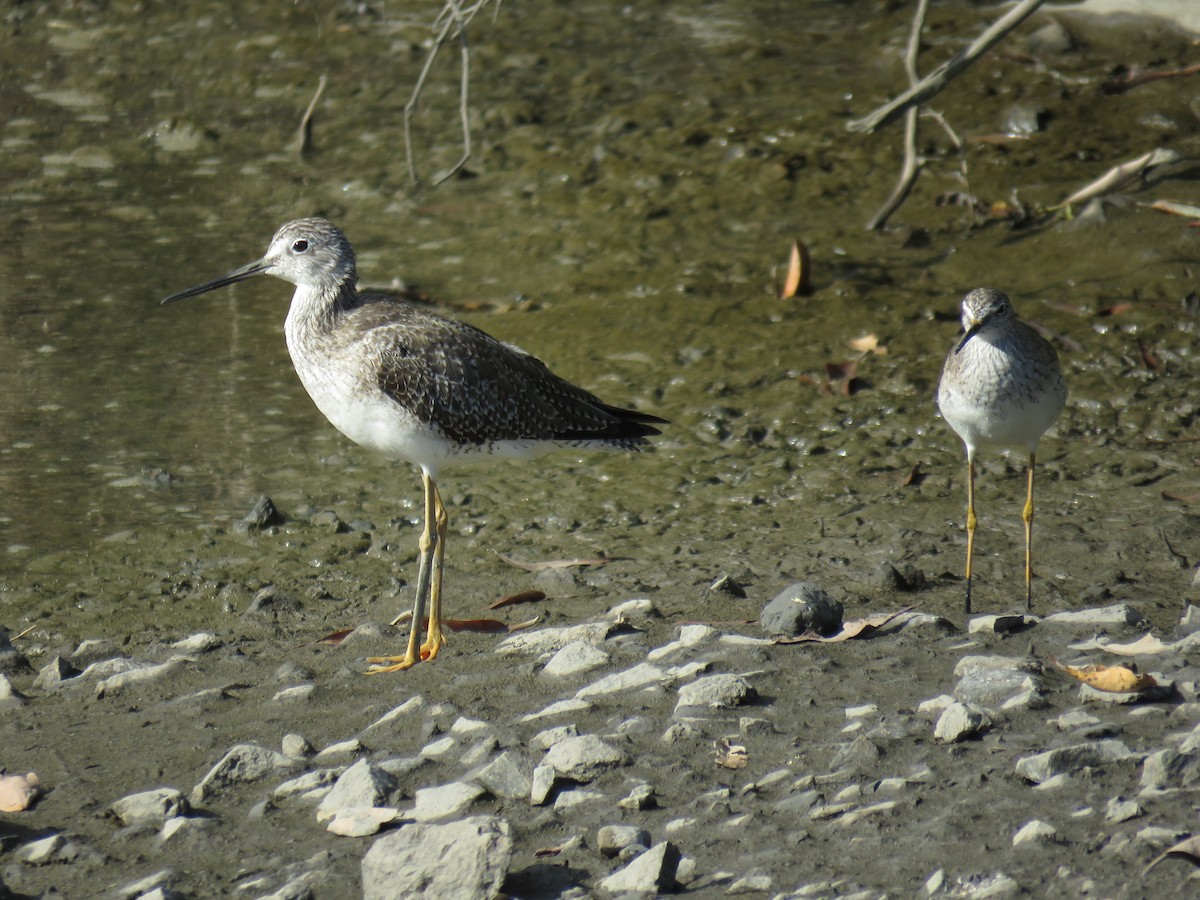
{"type": "Point", "coordinates": [931, 85]}
{"type": "Point", "coordinates": [451, 21]}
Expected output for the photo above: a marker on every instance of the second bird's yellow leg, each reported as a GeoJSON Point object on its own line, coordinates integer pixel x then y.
{"type": "Point", "coordinates": [972, 523]}
{"type": "Point", "coordinates": [1027, 518]}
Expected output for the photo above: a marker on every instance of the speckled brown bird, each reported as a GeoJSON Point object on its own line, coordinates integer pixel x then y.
{"type": "Point", "coordinates": [420, 387]}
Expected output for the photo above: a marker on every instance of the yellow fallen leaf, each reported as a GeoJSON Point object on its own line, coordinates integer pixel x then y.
{"type": "Point", "coordinates": [799, 277]}
{"type": "Point", "coordinates": [1113, 679]}
{"type": "Point", "coordinates": [17, 792]}
{"type": "Point", "coordinates": [868, 343]}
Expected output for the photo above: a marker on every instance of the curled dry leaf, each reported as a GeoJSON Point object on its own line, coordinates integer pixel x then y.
{"type": "Point", "coordinates": [1121, 175]}
{"type": "Point", "coordinates": [1111, 679]}
{"type": "Point", "coordinates": [594, 561]}
{"type": "Point", "coordinates": [731, 756]}
{"type": "Point", "coordinates": [850, 630]}
{"type": "Point", "coordinates": [519, 597]}
{"type": "Point", "coordinates": [1187, 210]}
{"type": "Point", "coordinates": [335, 638]}
{"type": "Point", "coordinates": [1188, 848]}
{"type": "Point", "coordinates": [799, 272]}
{"type": "Point", "coordinates": [17, 792]}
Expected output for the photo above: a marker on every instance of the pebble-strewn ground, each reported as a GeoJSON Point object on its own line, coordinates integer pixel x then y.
{"type": "Point", "coordinates": [582, 760]}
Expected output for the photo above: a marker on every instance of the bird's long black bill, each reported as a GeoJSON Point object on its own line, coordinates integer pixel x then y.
{"type": "Point", "coordinates": [971, 332]}
{"type": "Point", "coordinates": [257, 267]}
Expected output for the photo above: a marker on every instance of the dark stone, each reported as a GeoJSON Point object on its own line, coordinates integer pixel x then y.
{"type": "Point", "coordinates": [802, 607]}
{"type": "Point", "coordinates": [262, 516]}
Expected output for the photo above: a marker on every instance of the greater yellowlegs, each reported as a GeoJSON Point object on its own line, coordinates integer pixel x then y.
{"type": "Point", "coordinates": [420, 387]}
{"type": "Point", "coordinates": [1002, 385]}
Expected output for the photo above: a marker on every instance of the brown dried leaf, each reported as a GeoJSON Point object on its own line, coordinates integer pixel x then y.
{"type": "Point", "coordinates": [544, 852]}
{"type": "Point", "coordinates": [1186, 499]}
{"type": "Point", "coordinates": [850, 630]}
{"type": "Point", "coordinates": [1151, 361]}
{"type": "Point", "coordinates": [1187, 210]}
{"type": "Point", "coordinates": [799, 278]}
{"type": "Point", "coordinates": [519, 597]}
{"type": "Point", "coordinates": [17, 792]}
{"type": "Point", "coordinates": [334, 638]}
{"type": "Point", "coordinates": [913, 477]}
{"type": "Point", "coordinates": [521, 626]}
{"type": "Point", "coordinates": [731, 756]}
{"type": "Point", "coordinates": [557, 563]}
{"type": "Point", "coordinates": [1110, 679]}
{"type": "Point", "coordinates": [1188, 848]}
{"type": "Point", "coordinates": [1114, 309]}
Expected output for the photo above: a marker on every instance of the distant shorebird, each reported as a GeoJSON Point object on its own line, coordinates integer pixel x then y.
{"type": "Point", "coordinates": [1001, 385]}
{"type": "Point", "coordinates": [420, 387]}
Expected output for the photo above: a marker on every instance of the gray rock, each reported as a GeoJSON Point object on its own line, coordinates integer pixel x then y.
{"type": "Point", "coordinates": [547, 738]}
{"type": "Point", "coordinates": [296, 746]}
{"type": "Point", "coordinates": [340, 750]}
{"type": "Point", "coordinates": [716, 692]}
{"type": "Point", "coordinates": [990, 681]}
{"type": "Point", "coordinates": [446, 801]}
{"type": "Point", "coordinates": [583, 758]}
{"type": "Point", "coordinates": [243, 763]}
{"type": "Point", "coordinates": [159, 881]}
{"type": "Point", "coordinates": [802, 607]}
{"type": "Point", "coordinates": [150, 806]}
{"type": "Point", "coordinates": [309, 787]}
{"type": "Point", "coordinates": [139, 674]}
{"type": "Point", "coordinates": [1000, 624]}
{"type": "Point", "coordinates": [575, 658]}
{"type": "Point", "coordinates": [10, 697]}
{"type": "Point", "coordinates": [640, 676]}
{"type": "Point", "coordinates": [411, 862]}
{"type": "Point", "coordinates": [612, 839]}
{"type": "Point", "coordinates": [1118, 614]}
{"type": "Point", "coordinates": [1170, 768]}
{"type": "Point", "coordinates": [551, 640]}
{"type": "Point", "coordinates": [1066, 760]}
{"type": "Point", "coordinates": [1120, 810]}
{"type": "Point", "coordinates": [360, 785]}
{"type": "Point", "coordinates": [959, 722]}
{"type": "Point", "coordinates": [508, 776]}
{"type": "Point", "coordinates": [201, 642]}
{"type": "Point", "coordinates": [651, 873]}
{"type": "Point", "coordinates": [11, 659]}
{"type": "Point", "coordinates": [54, 673]}
{"type": "Point", "coordinates": [641, 797]}
{"type": "Point", "coordinates": [270, 604]}
{"type": "Point", "coordinates": [542, 784]}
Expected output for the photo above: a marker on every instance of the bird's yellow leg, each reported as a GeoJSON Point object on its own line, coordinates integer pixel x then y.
{"type": "Point", "coordinates": [436, 636]}
{"type": "Point", "coordinates": [428, 546]}
{"type": "Point", "coordinates": [1027, 517]}
{"type": "Point", "coordinates": [972, 522]}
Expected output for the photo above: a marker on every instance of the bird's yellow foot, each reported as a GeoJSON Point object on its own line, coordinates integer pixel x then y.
{"type": "Point", "coordinates": [431, 647]}
{"type": "Point", "coordinates": [379, 664]}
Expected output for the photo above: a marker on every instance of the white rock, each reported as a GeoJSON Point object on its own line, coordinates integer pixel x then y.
{"type": "Point", "coordinates": [1117, 614]}
{"type": "Point", "coordinates": [551, 640]}
{"type": "Point", "coordinates": [561, 708]}
{"type": "Point", "coordinates": [243, 763]}
{"type": "Point", "coordinates": [150, 806]}
{"type": "Point", "coordinates": [689, 636]}
{"type": "Point", "coordinates": [651, 873]}
{"type": "Point", "coordinates": [446, 801]}
{"type": "Point", "coordinates": [1034, 832]}
{"type": "Point", "coordinates": [360, 822]}
{"type": "Point", "coordinates": [716, 692]}
{"type": "Point", "coordinates": [575, 658]}
{"type": "Point", "coordinates": [360, 786]}
{"type": "Point", "coordinates": [639, 676]}
{"type": "Point", "coordinates": [959, 722]}
{"type": "Point", "coordinates": [139, 675]}
{"type": "Point", "coordinates": [583, 758]}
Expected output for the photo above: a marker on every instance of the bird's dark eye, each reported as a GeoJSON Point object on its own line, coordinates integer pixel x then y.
{"type": "Point", "coordinates": [300, 246]}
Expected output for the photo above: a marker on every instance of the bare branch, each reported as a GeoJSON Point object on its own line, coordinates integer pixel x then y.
{"type": "Point", "coordinates": [931, 85]}
{"type": "Point", "coordinates": [453, 19]}
{"type": "Point", "coordinates": [911, 167]}
{"type": "Point", "coordinates": [302, 143]}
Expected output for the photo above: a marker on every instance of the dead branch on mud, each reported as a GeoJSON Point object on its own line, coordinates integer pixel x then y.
{"type": "Point", "coordinates": [451, 22]}
{"type": "Point", "coordinates": [931, 85]}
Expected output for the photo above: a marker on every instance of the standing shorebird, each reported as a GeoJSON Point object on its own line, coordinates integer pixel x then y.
{"type": "Point", "coordinates": [420, 387]}
{"type": "Point", "coordinates": [1001, 385]}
